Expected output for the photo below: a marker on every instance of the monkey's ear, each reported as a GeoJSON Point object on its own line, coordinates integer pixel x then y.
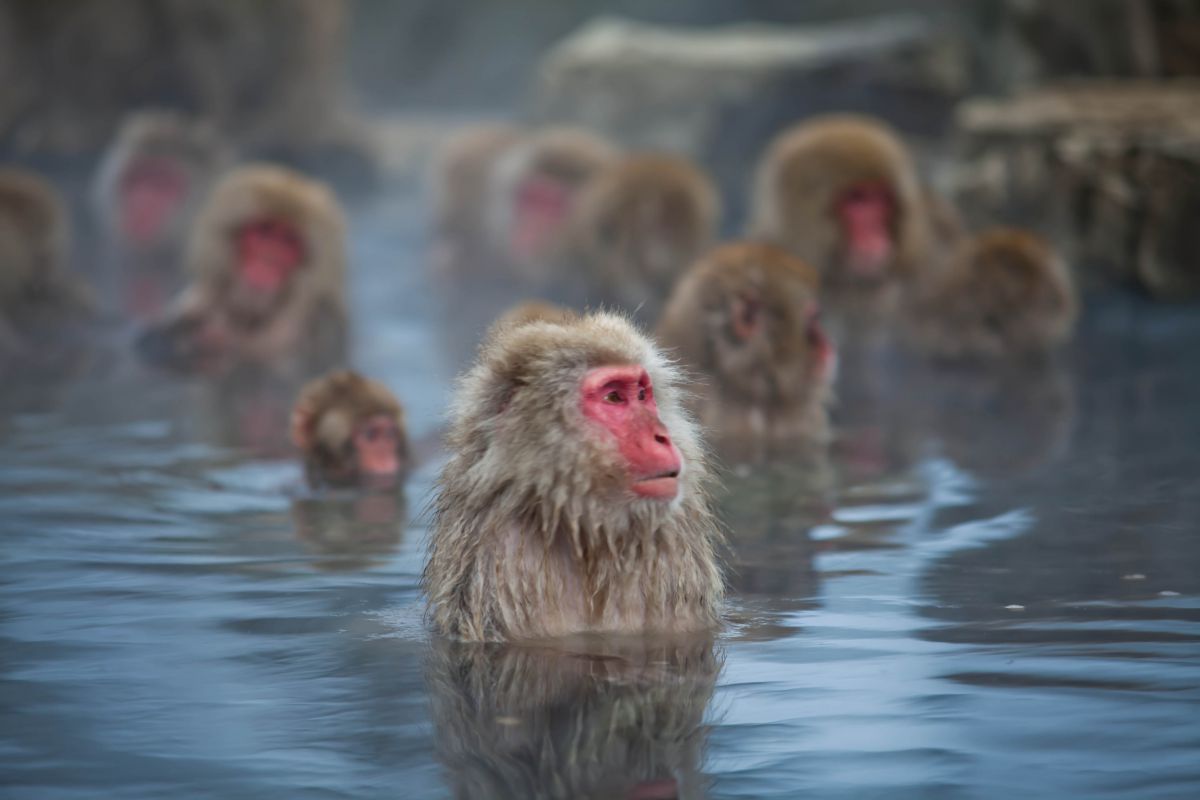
{"type": "Point", "coordinates": [745, 315]}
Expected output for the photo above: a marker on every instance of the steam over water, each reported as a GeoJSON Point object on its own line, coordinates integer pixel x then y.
{"type": "Point", "coordinates": [993, 591]}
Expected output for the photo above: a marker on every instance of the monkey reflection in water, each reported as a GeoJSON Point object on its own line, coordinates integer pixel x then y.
{"type": "Point", "coordinates": [617, 718]}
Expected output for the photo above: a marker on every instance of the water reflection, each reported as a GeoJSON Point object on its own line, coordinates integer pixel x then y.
{"type": "Point", "coordinates": [604, 718]}
{"type": "Point", "coordinates": [350, 530]}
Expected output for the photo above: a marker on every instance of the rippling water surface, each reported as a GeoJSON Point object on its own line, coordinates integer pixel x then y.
{"type": "Point", "coordinates": [991, 590]}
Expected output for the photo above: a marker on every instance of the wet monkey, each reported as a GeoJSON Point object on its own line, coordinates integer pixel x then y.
{"type": "Point", "coordinates": [266, 260]}
{"type": "Point", "coordinates": [153, 178]}
{"type": "Point", "coordinates": [36, 291]}
{"type": "Point", "coordinates": [637, 226]}
{"type": "Point", "coordinates": [533, 190]}
{"type": "Point", "coordinates": [574, 499]}
{"type": "Point", "coordinates": [351, 431]}
{"type": "Point", "coordinates": [843, 193]}
{"type": "Point", "coordinates": [1005, 293]}
{"type": "Point", "coordinates": [745, 320]}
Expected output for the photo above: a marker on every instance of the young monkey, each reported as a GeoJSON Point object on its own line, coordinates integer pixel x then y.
{"type": "Point", "coordinates": [267, 262]}
{"type": "Point", "coordinates": [745, 319]}
{"type": "Point", "coordinates": [842, 192]}
{"type": "Point", "coordinates": [574, 499]}
{"type": "Point", "coordinates": [1006, 294]}
{"type": "Point", "coordinates": [351, 432]}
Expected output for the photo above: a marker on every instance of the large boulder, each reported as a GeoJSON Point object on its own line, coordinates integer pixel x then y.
{"type": "Point", "coordinates": [1112, 167]}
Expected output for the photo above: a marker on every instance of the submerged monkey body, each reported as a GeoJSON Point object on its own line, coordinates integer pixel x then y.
{"type": "Point", "coordinates": [539, 531]}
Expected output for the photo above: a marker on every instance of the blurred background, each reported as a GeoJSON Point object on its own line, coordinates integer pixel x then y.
{"type": "Point", "coordinates": [1076, 115]}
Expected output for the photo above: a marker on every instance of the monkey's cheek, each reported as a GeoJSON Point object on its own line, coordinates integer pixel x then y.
{"type": "Point", "coordinates": [664, 489]}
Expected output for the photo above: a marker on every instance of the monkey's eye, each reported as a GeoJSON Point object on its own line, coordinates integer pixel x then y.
{"type": "Point", "coordinates": [614, 397]}
{"type": "Point", "coordinates": [642, 394]}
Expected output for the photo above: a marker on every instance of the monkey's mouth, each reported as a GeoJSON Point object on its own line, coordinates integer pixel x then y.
{"type": "Point", "coordinates": [659, 486]}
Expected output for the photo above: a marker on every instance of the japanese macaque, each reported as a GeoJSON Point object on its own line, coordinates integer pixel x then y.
{"type": "Point", "coordinates": [1006, 293]}
{"type": "Point", "coordinates": [842, 192]}
{"type": "Point", "coordinates": [746, 320]}
{"type": "Point", "coordinates": [574, 498]}
{"type": "Point", "coordinates": [36, 292]}
{"type": "Point", "coordinates": [351, 431]}
{"type": "Point", "coordinates": [638, 226]}
{"type": "Point", "coordinates": [460, 180]}
{"type": "Point", "coordinates": [266, 259]}
{"type": "Point", "coordinates": [153, 178]}
{"type": "Point", "coordinates": [532, 193]}
{"type": "Point", "coordinates": [615, 719]}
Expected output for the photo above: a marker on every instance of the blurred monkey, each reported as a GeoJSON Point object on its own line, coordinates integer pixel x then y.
{"type": "Point", "coordinates": [153, 178]}
{"type": "Point", "coordinates": [37, 295]}
{"type": "Point", "coordinates": [460, 179]}
{"type": "Point", "coordinates": [1006, 293]}
{"type": "Point", "coordinates": [266, 258]}
{"type": "Point", "coordinates": [638, 226]}
{"type": "Point", "coordinates": [843, 193]}
{"type": "Point", "coordinates": [746, 320]}
{"type": "Point", "coordinates": [532, 194]}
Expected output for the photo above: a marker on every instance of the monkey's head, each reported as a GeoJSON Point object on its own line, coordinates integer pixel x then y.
{"type": "Point", "coordinates": [843, 192]}
{"type": "Point", "coordinates": [576, 422]}
{"type": "Point", "coordinates": [268, 237]}
{"type": "Point", "coordinates": [748, 315]}
{"type": "Point", "coordinates": [351, 431]}
{"type": "Point", "coordinates": [641, 223]}
{"type": "Point", "coordinates": [1010, 294]}
{"type": "Point", "coordinates": [534, 190]}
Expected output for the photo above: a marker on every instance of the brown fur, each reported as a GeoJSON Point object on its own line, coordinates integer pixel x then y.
{"type": "Point", "coordinates": [35, 288]}
{"type": "Point", "coordinates": [325, 416]}
{"type": "Point", "coordinates": [192, 144]}
{"type": "Point", "coordinates": [309, 317]}
{"type": "Point", "coordinates": [800, 178]}
{"type": "Point", "coordinates": [1006, 294]}
{"type": "Point", "coordinates": [766, 389]}
{"type": "Point", "coordinates": [638, 226]}
{"type": "Point", "coordinates": [536, 533]}
{"type": "Point", "coordinates": [606, 721]}
{"type": "Point", "coordinates": [569, 155]}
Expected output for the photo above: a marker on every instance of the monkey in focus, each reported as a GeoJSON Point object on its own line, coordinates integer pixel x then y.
{"type": "Point", "coordinates": [574, 498]}
{"type": "Point", "coordinates": [460, 179]}
{"type": "Point", "coordinates": [351, 431]}
{"type": "Point", "coordinates": [611, 718]}
{"type": "Point", "coordinates": [842, 192]}
{"type": "Point", "coordinates": [746, 320]}
{"type": "Point", "coordinates": [1005, 294]}
{"type": "Point", "coordinates": [532, 194]}
{"type": "Point", "coordinates": [266, 260]}
{"type": "Point", "coordinates": [638, 226]}
{"type": "Point", "coordinates": [153, 177]}
{"type": "Point", "coordinates": [37, 295]}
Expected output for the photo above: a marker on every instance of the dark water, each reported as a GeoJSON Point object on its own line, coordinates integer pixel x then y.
{"type": "Point", "coordinates": [992, 590]}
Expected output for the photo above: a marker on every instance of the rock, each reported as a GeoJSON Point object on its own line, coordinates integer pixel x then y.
{"type": "Point", "coordinates": [719, 94]}
{"type": "Point", "coordinates": [1111, 167]}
